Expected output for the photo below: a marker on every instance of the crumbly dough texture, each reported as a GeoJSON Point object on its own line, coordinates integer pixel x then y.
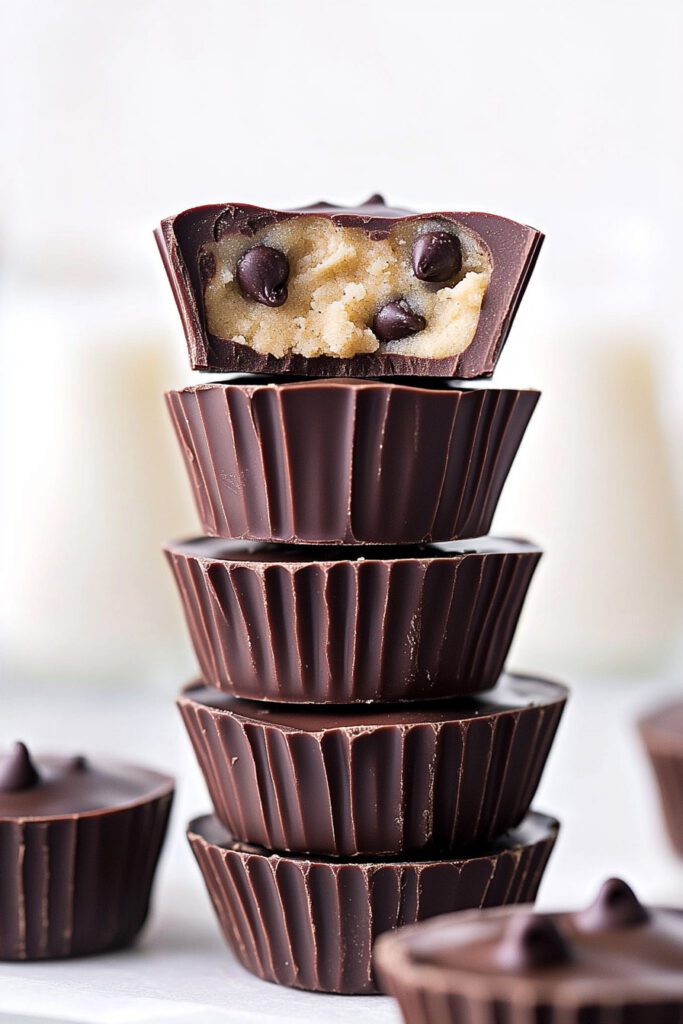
{"type": "Point", "coordinates": [339, 277]}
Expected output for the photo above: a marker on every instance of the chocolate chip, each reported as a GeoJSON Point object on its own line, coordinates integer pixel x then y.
{"type": "Point", "coordinates": [532, 941]}
{"type": "Point", "coordinates": [207, 266]}
{"type": "Point", "coordinates": [262, 274]}
{"type": "Point", "coordinates": [616, 906]}
{"type": "Point", "coordinates": [397, 320]}
{"type": "Point", "coordinates": [437, 256]}
{"type": "Point", "coordinates": [17, 770]}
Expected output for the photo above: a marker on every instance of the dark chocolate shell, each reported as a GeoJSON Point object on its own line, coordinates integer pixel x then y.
{"type": "Point", "coordinates": [312, 924]}
{"type": "Point", "coordinates": [348, 462]}
{"type": "Point", "coordinates": [375, 780]}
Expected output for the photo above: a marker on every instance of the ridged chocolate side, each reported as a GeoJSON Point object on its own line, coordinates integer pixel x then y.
{"type": "Point", "coordinates": [313, 924]}
{"type": "Point", "coordinates": [348, 462]}
{"type": "Point", "coordinates": [406, 628]}
{"type": "Point", "coordinates": [77, 885]}
{"type": "Point", "coordinates": [383, 790]}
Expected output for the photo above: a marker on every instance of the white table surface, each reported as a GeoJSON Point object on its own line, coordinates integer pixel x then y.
{"type": "Point", "coordinates": [597, 782]}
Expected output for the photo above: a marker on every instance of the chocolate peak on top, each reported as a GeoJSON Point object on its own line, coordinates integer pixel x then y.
{"type": "Point", "coordinates": [616, 906]}
{"type": "Point", "coordinates": [17, 770]}
{"type": "Point", "coordinates": [533, 941]}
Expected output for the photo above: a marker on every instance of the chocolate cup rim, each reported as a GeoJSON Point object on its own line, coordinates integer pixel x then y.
{"type": "Point", "coordinates": [393, 960]}
{"type": "Point", "coordinates": [165, 786]}
{"type": "Point", "coordinates": [561, 695]}
{"type": "Point", "coordinates": [249, 385]}
{"type": "Point", "coordinates": [516, 546]}
{"type": "Point", "coordinates": [548, 829]}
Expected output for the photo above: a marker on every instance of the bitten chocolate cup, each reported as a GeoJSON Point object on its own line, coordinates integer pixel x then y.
{"type": "Point", "coordinates": [346, 625]}
{"type": "Point", "coordinates": [348, 462]}
{"type": "Point", "coordinates": [329, 291]}
{"type": "Point", "coordinates": [662, 734]}
{"type": "Point", "coordinates": [380, 780]}
{"type": "Point", "coordinates": [79, 845]}
{"type": "Point", "coordinates": [312, 924]}
{"type": "Point", "coordinates": [617, 962]}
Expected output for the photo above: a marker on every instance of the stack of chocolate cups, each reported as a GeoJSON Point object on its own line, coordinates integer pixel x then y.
{"type": "Point", "coordinates": [369, 761]}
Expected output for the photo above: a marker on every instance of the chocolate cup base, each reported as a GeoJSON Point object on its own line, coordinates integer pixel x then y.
{"type": "Point", "coordinates": [381, 780]}
{"type": "Point", "coordinates": [385, 625]}
{"type": "Point", "coordinates": [312, 924]}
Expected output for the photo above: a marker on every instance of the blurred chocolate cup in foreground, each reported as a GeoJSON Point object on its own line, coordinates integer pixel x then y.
{"type": "Point", "coordinates": [345, 625]}
{"type": "Point", "coordinates": [377, 780]}
{"type": "Point", "coordinates": [311, 923]}
{"type": "Point", "coordinates": [79, 845]}
{"type": "Point", "coordinates": [617, 962]}
{"type": "Point", "coordinates": [348, 461]}
{"type": "Point", "coordinates": [662, 735]}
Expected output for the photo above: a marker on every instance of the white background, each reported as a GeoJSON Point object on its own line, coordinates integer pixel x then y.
{"type": "Point", "coordinates": [113, 115]}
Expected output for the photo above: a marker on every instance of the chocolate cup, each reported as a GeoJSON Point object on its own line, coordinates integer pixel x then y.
{"type": "Point", "coordinates": [348, 462]}
{"type": "Point", "coordinates": [374, 781]}
{"type": "Point", "coordinates": [662, 735]}
{"type": "Point", "coordinates": [352, 625]}
{"type": "Point", "coordinates": [312, 924]}
{"type": "Point", "coordinates": [540, 972]}
{"type": "Point", "coordinates": [78, 884]}
{"type": "Point", "coordinates": [512, 248]}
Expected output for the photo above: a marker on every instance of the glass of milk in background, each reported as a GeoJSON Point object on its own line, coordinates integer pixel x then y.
{"type": "Point", "coordinates": [91, 482]}
{"type": "Point", "coordinates": [595, 480]}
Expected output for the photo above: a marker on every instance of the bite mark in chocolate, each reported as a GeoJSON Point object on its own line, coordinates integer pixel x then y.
{"type": "Point", "coordinates": [262, 274]}
{"type": "Point", "coordinates": [345, 264]}
{"type": "Point", "coordinates": [397, 320]}
{"type": "Point", "coordinates": [17, 771]}
{"type": "Point", "coordinates": [437, 256]}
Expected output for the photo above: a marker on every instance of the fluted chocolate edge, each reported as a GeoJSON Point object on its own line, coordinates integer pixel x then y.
{"type": "Point", "coordinates": [79, 884]}
{"type": "Point", "coordinates": [313, 924]}
{"type": "Point", "coordinates": [348, 462]}
{"type": "Point", "coordinates": [373, 791]}
{"type": "Point", "coordinates": [398, 629]}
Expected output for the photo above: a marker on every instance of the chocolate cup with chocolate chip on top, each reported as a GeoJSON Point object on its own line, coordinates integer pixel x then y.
{"type": "Point", "coordinates": [79, 845]}
{"type": "Point", "coordinates": [618, 962]}
{"type": "Point", "coordinates": [376, 780]}
{"type": "Point", "coordinates": [348, 462]}
{"type": "Point", "coordinates": [306, 291]}
{"type": "Point", "coordinates": [350, 625]}
{"type": "Point", "coordinates": [311, 923]}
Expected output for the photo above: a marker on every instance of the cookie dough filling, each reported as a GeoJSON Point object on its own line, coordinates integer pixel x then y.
{"type": "Point", "coordinates": [310, 287]}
